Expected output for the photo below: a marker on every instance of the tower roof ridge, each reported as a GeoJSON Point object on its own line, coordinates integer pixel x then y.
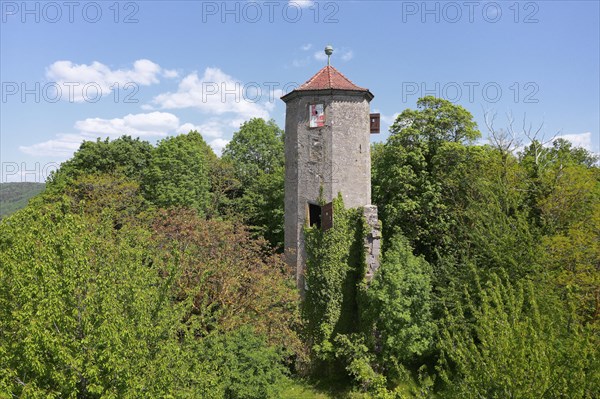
{"type": "Point", "coordinates": [330, 78]}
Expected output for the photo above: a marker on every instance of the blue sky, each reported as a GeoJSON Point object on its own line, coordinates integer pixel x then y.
{"type": "Point", "coordinates": [74, 71]}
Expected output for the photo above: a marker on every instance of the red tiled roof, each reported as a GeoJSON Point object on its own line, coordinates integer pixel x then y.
{"type": "Point", "coordinates": [330, 78]}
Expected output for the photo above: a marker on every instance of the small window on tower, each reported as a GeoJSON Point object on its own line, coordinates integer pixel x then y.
{"type": "Point", "coordinates": [314, 215]}
{"type": "Point", "coordinates": [317, 115]}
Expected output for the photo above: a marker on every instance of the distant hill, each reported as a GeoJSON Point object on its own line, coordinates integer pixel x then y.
{"type": "Point", "coordinates": [14, 196]}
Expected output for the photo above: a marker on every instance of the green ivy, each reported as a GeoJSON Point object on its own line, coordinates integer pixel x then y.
{"type": "Point", "coordinates": [335, 270]}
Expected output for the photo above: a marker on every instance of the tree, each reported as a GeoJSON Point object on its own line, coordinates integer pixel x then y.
{"type": "Point", "coordinates": [103, 297]}
{"type": "Point", "coordinates": [227, 279]}
{"type": "Point", "coordinates": [563, 153]}
{"type": "Point", "coordinates": [400, 306]}
{"type": "Point", "coordinates": [572, 257]}
{"type": "Point", "coordinates": [222, 181]}
{"type": "Point", "coordinates": [257, 155]}
{"type": "Point", "coordinates": [257, 148]}
{"type": "Point", "coordinates": [84, 312]}
{"type": "Point", "coordinates": [262, 206]}
{"type": "Point", "coordinates": [406, 177]}
{"type": "Point", "coordinates": [178, 173]}
{"type": "Point", "coordinates": [223, 185]}
{"type": "Point", "coordinates": [508, 340]}
{"type": "Point", "coordinates": [125, 155]}
{"type": "Point", "coordinates": [248, 368]}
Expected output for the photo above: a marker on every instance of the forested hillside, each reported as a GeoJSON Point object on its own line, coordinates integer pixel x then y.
{"type": "Point", "coordinates": [156, 271]}
{"type": "Point", "coordinates": [14, 196]}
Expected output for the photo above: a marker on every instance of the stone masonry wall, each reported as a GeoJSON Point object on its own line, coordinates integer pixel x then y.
{"type": "Point", "coordinates": [334, 158]}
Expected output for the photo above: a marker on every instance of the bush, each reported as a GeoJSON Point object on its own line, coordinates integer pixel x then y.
{"type": "Point", "coordinates": [247, 367]}
{"type": "Point", "coordinates": [399, 306]}
{"type": "Point", "coordinates": [517, 341]}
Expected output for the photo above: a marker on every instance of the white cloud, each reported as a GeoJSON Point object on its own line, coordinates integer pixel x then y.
{"type": "Point", "coordinates": [139, 125]}
{"type": "Point", "coordinates": [217, 93]}
{"type": "Point", "coordinates": [388, 119]}
{"type": "Point", "coordinates": [226, 101]}
{"type": "Point", "coordinates": [170, 73]}
{"type": "Point", "coordinates": [211, 128]}
{"type": "Point", "coordinates": [306, 47]}
{"type": "Point", "coordinates": [63, 146]}
{"type": "Point", "coordinates": [301, 3]}
{"type": "Point", "coordinates": [187, 127]}
{"type": "Point", "coordinates": [145, 126]}
{"type": "Point", "coordinates": [154, 124]}
{"type": "Point", "coordinates": [583, 140]}
{"type": "Point", "coordinates": [100, 80]}
{"type": "Point", "coordinates": [218, 145]}
{"type": "Point", "coordinates": [276, 94]}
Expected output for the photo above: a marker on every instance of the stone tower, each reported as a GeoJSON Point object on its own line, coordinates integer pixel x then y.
{"type": "Point", "coordinates": [327, 151]}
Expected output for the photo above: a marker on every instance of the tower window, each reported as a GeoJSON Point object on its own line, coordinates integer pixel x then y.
{"type": "Point", "coordinates": [314, 215]}
{"type": "Point", "coordinates": [316, 115]}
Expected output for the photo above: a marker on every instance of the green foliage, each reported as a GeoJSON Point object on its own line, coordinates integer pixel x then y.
{"type": "Point", "coordinates": [358, 360]}
{"type": "Point", "coordinates": [261, 206]}
{"type": "Point", "coordinates": [400, 306]}
{"type": "Point", "coordinates": [103, 197]}
{"type": "Point", "coordinates": [407, 187]}
{"type": "Point", "coordinates": [570, 194]}
{"type": "Point", "coordinates": [301, 389]}
{"type": "Point", "coordinates": [125, 155]}
{"type": "Point", "coordinates": [335, 267]}
{"type": "Point", "coordinates": [563, 190]}
{"type": "Point", "coordinates": [228, 280]}
{"type": "Point", "coordinates": [492, 227]}
{"type": "Point", "coordinates": [531, 218]}
{"type": "Point", "coordinates": [14, 196]}
{"type": "Point", "coordinates": [456, 203]}
{"type": "Point", "coordinates": [85, 313]}
{"type": "Point", "coordinates": [255, 149]}
{"type": "Point", "coordinates": [257, 156]}
{"type": "Point", "coordinates": [516, 341]}
{"type": "Point", "coordinates": [220, 178]}
{"type": "Point", "coordinates": [563, 153]}
{"type": "Point", "coordinates": [223, 185]}
{"type": "Point", "coordinates": [247, 367]}
{"type": "Point", "coordinates": [572, 258]}
{"type": "Point", "coordinates": [178, 173]}
{"type": "Point", "coordinates": [131, 275]}
{"type": "Point", "coordinates": [102, 297]}
{"type": "Point", "coordinates": [559, 173]}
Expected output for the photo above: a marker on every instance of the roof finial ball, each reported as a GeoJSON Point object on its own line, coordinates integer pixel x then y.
{"type": "Point", "coordinates": [328, 51]}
